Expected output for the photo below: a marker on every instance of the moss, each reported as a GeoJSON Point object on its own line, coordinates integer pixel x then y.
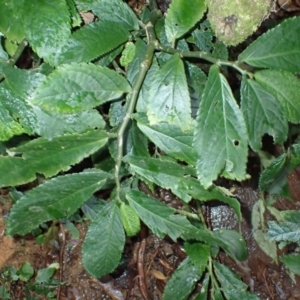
{"type": "Point", "coordinates": [234, 20]}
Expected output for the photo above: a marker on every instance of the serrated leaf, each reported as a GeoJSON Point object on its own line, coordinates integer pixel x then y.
{"type": "Point", "coordinates": [104, 242]}
{"type": "Point", "coordinates": [169, 99]}
{"type": "Point", "coordinates": [272, 172]}
{"type": "Point", "coordinates": [92, 207]}
{"type": "Point", "coordinates": [41, 156]}
{"type": "Point", "coordinates": [130, 220]}
{"type": "Point", "coordinates": [220, 138]}
{"type": "Point", "coordinates": [292, 262]}
{"type": "Point", "coordinates": [285, 87]}
{"type": "Point", "coordinates": [204, 289]}
{"type": "Point", "coordinates": [75, 16]}
{"type": "Point", "coordinates": [77, 87]}
{"type": "Point", "coordinates": [50, 124]}
{"type": "Point", "coordinates": [182, 15]}
{"type": "Point", "coordinates": [91, 41]}
{"type": "Point", "coordinates": [157, 216]}
{"type": "Point", "coordinates": [57, 198]}
{"type": "Point", "coordinates": [169, 138]}
{"type": "Point", "coordinates": [198, 253]}
{"type": "Point", "coordinates": [198, 192]}
{"type": "Point", "coordinates": [47, 27]}
{"type": "Point", "coordinates": [116, 11]}
{"type": "Point", "coordinates": [166, 174]}
{"type": "Point", "coordinates": [262, 113]}
{"type": "Point", "coordinates": [284, 231]}
{"type": "Point", "coordinates": [278, 48]}
{"type": "Point", "coordinates": [182, 282]}
{"type": "Point", "coordinates": [12, 21]}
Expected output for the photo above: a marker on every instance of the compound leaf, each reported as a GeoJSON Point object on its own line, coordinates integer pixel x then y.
{"type": "Point", "coordinates": [48, 158]}
{"type": "Point", "coordinates": [116, 11]}
{"type": "Point", "coordinates": [285, 87]}
{"type": "Point", "coordinates": [77, 87]}
{"type": "Point", "coordinates": [169, 138]}
{"type": "Point", "coordinates": [183, 281]}
{"type": "Point", "coordinates": [157, 216]}
{"type": "Point", "coordinates": [169, 99]}
{"type": "Point", "coordinates": [182, 15]}
{"type": "Point", "coordinates": [220, 138]}
{"type": "Point", "coordinates": [278, 48]}
{"type": "Point", "coordinates": [104, 242]}
{"type": "Point", "coordinates": [91, 41]}
{"type": "Point", "coordinates": [60, 197]}
{"type": "Point", "coordinates": [262, 113]}
{"type": "Point", "coordinates": [166, 174]}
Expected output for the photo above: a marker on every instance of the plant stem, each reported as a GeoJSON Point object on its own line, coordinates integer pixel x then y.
{"type": "Point", "coordinates": [12, 61]}
{"type": "Point", "coordinates": [203, 55]}
{"type": "Point", "coordinates": [144, 67]}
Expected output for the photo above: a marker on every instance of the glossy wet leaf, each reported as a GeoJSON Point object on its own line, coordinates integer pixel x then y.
{"type": "Point", "coordinates": [278, 48]}
{"type": "Point", "coordinates": [262, 113]}
{"type": "Point", "coordinates": [130, 220]}
{"type": "Point", "coordinates": [220, 138]}
{"type": "Point", "coordinates": [116, 11]}
{"type": "Point", "coordinates": [169, 99]}
{"type": "Point", "coordinates": [285, 87]}
{"type": "Point", "coordinates": [182, 15]}
{"type": "Point", "coordinates": [104, 242]}
{"type": "Point", "coordinates": [166, 174]}
{"type": "Point", "coordinates": [157, 216]}
{"type": "Point", "coordinates": [77, 87]}
{"type": "Point", "coordinates": [169, 138]}
{"type": "Point", "coordinates": [91, 41]}
{"type": "Point", "coordinates": [182, 281]}
{"type": "Point", "coordinates": [48, 158]}
{"type": "Point", "coordinates": [57, 198]}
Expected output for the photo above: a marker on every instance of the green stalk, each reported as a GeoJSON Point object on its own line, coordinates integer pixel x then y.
{"type": "Point", "coordinates": [144, 67]}
{"type": "Point", "coordinates": [203, 55]}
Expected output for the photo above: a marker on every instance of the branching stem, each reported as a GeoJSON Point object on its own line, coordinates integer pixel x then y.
{"type": "Point", "coordinates": [133, 96]}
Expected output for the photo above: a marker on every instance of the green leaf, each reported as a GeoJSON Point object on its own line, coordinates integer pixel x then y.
{"type": "Point", "coordinates": [169, 138]}
{"type": "Point", "coordinates": [75, 16]}
{"type": "Point", "coordinates": [169, 99]}
{"type": "Point", "coordinates": [50, 124]}
{"type": "Point", "coordinates": [157, 216]}
{"type": "Point", "coordinates": [25, 272]}
{"type": "Point", "coordinates": [182, 15]}
{"type": "Point", "coordinates": [198, 253]}
{"type": "Point", "coordinates": [116, 11]}
{"type": "Point", "coordinates": [57, 198]}
{"type": "Point", "coordinates": [12, 20]}
{"type": "Point", "coordinates": [92, 41]}
{"type": "Point", "coordinates": [284, 231]}
{"type": "Point", "coordinates": [278, 48]}
{"type": "Point", "coordinates": [104, 242]}
{"type": "Point", "coordinates": [47, 27]}
{"type": "Point", "coordinates": [232, 286]}
{"type": "Point", "coordinates": [44, 275]}
{"type": "Point", "coordinates": [92, 207]}
{"type": "Point", "coordinates": [263, 114]}
{"type": "Point", "coordinates": [166, 174]}
{"type": "Point", "coordinates": [220, 138]}
{"type": "Point", "coordinates": [285, 86]}
{"type": "Point", "coordinates": [292, 262]}
{"type": "Point", "coordinates": [198, 192]}
{"type": "Point", "coordinates": [40, 156]}
{"type": "Point", "coordinates": [234, 242]}
{"type": "Point", "coordinates": [272, 172]}
{"type": "Point", "coordinates": [130, 220]}
{"type": "Point", "coordinates": [127, 54]}
{"type": "Point", "coordinates": [204, 289]}
{"type": "Point", "coordinates": [182, 282]}
{"type": "Point", "coordinates": [77, 87]}
{"type": "Point", "coordinates": [138, 142]}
